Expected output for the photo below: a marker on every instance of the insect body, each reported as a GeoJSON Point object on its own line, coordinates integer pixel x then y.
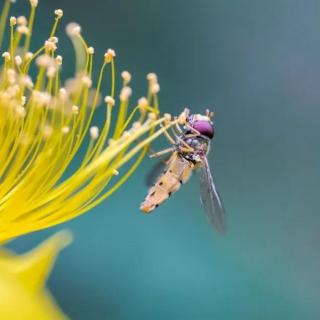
{"type": "Point", "coordinates": [189, 152]}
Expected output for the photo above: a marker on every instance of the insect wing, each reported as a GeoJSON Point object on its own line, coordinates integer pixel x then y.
{"type": "Point", "coordinates": [155, 172]}
{"type": "Point", "coordinates": [210, 198]}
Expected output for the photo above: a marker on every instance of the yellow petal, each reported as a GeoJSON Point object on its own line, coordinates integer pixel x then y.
{"type": "Point", "coordinates": [22, 281]}
{"type": "Point", "coordinates": [34, 267]}
{"type": "Point", "coordinates": [16, 302]}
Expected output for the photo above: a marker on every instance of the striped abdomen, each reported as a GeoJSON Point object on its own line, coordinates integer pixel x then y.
{"type": "Point", "coordinates": [177, 172]}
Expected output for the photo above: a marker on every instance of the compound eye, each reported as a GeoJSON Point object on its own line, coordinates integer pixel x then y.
{"type": "Point", "coordinates": [205, 128]}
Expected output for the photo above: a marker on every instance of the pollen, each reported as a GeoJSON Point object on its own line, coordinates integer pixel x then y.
{"type": "Point", "coordinates": [75, 109]}
{"type": "Point", "coordinates": [152, 77]}
{"type": "Point", "coordinates": [23, 29]}
{"type": "Point", "coordinates": [86, 81]}
{"type": "Point", "coordinates": [90, 50]}
{"type": "Point", "coordinates": [22, 21]}
{"type": "Point", "coordinates": [109, 101]}
{"type": "Point", "coordinates": [28, 56]}
{"type": "Point", "coordinates": [73, 29]}
{"type": "Point", "coordinates": [18, 60]}
{"type": "Point", "coordinates": [50, 45]}
{"type": "Point", "coordinates": [109, 55]}
{"type": "Point", "coordinates": [125, 93]}
{"type": "Point", "coordinates": [155, 88]}
{"type": "Point", "coordinates": [58, 13]}
{"type": "Point", "coordinates": [94, 132]}
{"type": "Point", "coordinates": [126, 76]}
{"type": "Point", "coordinates": [167, 117]}
{"type": "Point", "coordinates": [59, 60]}
{"type": "Point", "coordinates": [6, 55]}
{"type": "Point", "coordinates": [143, 103]}
{"type": "Point", "coordinates": [13, 21]}
{"type": "Point", "coordinates": [34, 3]}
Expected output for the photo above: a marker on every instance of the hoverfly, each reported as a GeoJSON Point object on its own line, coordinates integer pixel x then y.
{"type": "Point", "coordinates": [189, 152]}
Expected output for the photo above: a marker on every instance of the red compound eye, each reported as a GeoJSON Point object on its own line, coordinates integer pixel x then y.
{"type": "Point", "coordinates": [205, 128]}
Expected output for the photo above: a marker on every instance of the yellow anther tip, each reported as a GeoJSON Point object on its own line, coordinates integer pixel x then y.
{"type": "Point", "coordinates": [125, 93]}
{"type": "Point", "coordinates": [94, 132]}
{"type": "Point", "coordinates": [152, 116]}
{"type": "Point", "coordinates": [155, 88]}
{"type": "Point", "coordinates": [34, 3]}
{"type": "Point", "coordinates": [75, 109]}
{"type": "Point", "coordinates": [6, 55]}
{"type": "Point", "coordinates": [58, 13]}
{"type": "Point", "coordinates": [143, 103]}
{"type": "Point", "coordinates": [73, 29]}
{"type": "Point", "coordinates": [22, 21]}
{"type": "Point", "coordinates": [152, 77]}
{"type": "Point", "coordinates": [90, 50]}
{"type": "Point", "coordinates": [109, 101]}
{"type": "Point", "coordinates": [109, 55]}
{"type": "Point", "coordinates": [13, 21]}
{"type": "Point", "coordinates": [126, 76]}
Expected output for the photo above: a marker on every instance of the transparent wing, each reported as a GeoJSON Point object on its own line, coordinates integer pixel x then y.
{"type": "Point", "coordinates": [154, 172]}
{"type": "Point", "coordinates": [210, 198]}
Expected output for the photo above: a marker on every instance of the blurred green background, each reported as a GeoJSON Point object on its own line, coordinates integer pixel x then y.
{"type": "Point", "coordinates": [256, 64]}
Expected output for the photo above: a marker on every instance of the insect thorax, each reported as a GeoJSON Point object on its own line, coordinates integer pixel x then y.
{"type": "Point", "coordinates": [199, 145]}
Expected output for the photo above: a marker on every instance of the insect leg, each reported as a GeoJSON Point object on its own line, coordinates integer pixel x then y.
{"type": "Point", "coordinates": [178, 128]}
{"type": "Point", "coordinates": [168, 136]}
{"type": "Point", "coordinates": [186, 148]}
{"type": "Point", "coordinates": [160, 153]}
{"type": "Point", "coordinates": [196, 132]}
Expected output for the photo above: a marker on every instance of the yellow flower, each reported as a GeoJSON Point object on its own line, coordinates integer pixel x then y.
{"type": "Point", "coordinates": [22, 290]}
{"type": "Point", "coordinates": [44, 124]}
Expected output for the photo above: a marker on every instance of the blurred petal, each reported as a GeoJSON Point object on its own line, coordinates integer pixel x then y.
{"type": "Point", "coordinates": [22, 279]}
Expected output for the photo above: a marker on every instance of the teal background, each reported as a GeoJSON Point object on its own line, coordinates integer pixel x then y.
{"type": "Point", "coordinates": [256, 64]}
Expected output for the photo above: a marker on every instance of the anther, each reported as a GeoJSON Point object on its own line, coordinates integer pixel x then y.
{"type": "Point", "coordinates": [90, 50]}
{"type": "Point", "coordinates": [155, 88]}
{"type": "Point", "coordinates": [125, 94]}
{"type": "Point", "coordinates": [28, 55]}
{"type": "Point", "coordinates": [18, 60]}
{"type": "Point", "coordinates": [6, 55]}
{"type": "Point", "coordinates": [94, 132]}
{"type": "Point", "coordinates": [50, 45]}
{"type": "Point", "coordinates": [109, 55]}
{"type": "Point", "coordinates": [86, 81]}
{"type": "Point", "coordinates": [73, 29]}
{"type": "Point", "coordinates": [75, 109]}
{"type": "Point", "coordinates": [58, 60]}
{"type": "Point", "coordinates": [34, 3]}
{"type": "Point", "coordinates": [22, 21]}
{"type": "Point", "coordinates": [58, 13]}
{"type": "Point", "coordinates": [152, 77]}
{"type": "Point", "coordinates": [23, 29]}
{"type": "Point", "coordinates": [126, 76]}
{"type": "Point", "coordinates": [167, 118]}
{"type": "Point", "coordinates": [109, 101]}
{"type": "Point", "coordinates": [13, 21]}
{"type": "Point", "coordinates": [51, 72]}
{"type": "Point", "coordinates": [143, 103]}
{"type": "Point", "coordinates": [152, 116]}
